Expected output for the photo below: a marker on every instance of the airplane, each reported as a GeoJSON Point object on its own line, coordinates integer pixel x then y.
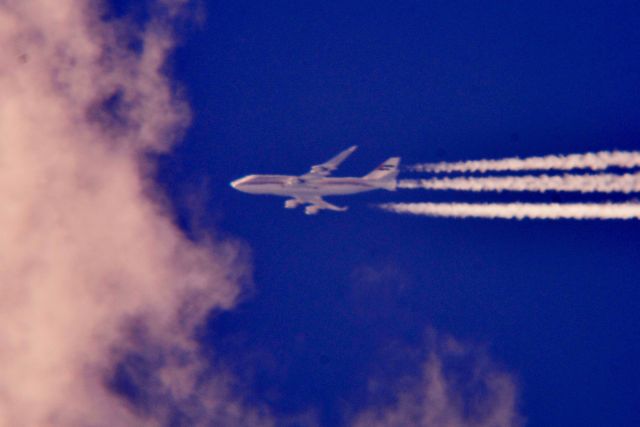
{"type": "Point", "coordinates": [308, 189]}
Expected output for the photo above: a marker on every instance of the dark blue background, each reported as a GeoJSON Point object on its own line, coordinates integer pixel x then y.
{"type": "Point", "coordinates": [341, 298]}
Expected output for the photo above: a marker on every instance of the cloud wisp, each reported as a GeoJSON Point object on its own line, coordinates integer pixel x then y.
{"type": "Point", "coordinates": [580, 211]}
{"type": "Point", "coordinates": [458, 386]}
{"type": "Point", "coordinates": [100, 291]}
{"type": "Point", "coordinates": [600, 160]}
{"type": "Point", "coordinates": [600, 183]}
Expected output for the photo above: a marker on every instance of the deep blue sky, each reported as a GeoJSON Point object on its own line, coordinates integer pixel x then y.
{"type": "Point", "coordinates": [277, 86]}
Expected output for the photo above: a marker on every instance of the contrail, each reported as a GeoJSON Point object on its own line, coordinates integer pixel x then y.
{"type": "Point", "coordinates": [583, 211]}
{"type": "Point", "coordinates": [601, 183]}
{"type": "Point", "coordinates": [594, 161]}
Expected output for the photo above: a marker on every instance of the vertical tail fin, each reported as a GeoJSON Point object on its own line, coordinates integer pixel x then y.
{"type": "Point", "coordinates": [386, 173]}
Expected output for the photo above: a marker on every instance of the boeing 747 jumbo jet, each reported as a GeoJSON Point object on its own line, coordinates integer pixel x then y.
{"type": "Point", "coordinates": [311, 187]}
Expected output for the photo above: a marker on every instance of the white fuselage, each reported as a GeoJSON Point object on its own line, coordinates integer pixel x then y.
{"type": "Point", "coordinates": [308, 189]}
{"type": "Point", "coordinates": [294, 186]}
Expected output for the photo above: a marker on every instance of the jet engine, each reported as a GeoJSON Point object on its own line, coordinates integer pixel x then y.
{"type": "Point", "coordinates": [291, 204]}
{"type": "Point", "coordinates": [311, 210]}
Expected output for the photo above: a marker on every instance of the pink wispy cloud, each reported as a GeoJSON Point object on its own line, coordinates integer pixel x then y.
{"type": "Point", "coordinates": [458, 385]}
{"type": "Point", "coordinates": [92, 267]}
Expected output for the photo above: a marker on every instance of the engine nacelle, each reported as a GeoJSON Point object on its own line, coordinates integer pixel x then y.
{"type": "Point", "coordinates": [291, 204]}
{"type": "Point", "coordinates": [311, 210]}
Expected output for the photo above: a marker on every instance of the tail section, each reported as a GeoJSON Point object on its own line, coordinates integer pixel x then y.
{"type": "Point", "coordinates": [385, 175]}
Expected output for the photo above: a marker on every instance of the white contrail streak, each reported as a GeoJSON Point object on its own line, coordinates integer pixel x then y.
{"type": "Point", "coordinates": [519, 210]}
{"type": "Point", "coordinates": [601, 183]}
{"type": "Point", "coordinates": [594, 161]}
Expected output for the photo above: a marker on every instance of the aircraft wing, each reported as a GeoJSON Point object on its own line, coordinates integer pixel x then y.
{"type": "Point", "coordinates": [325, 169]}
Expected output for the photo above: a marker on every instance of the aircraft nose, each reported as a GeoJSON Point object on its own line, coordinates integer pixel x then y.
{"type": "Point", "coordinates": [237, 184]}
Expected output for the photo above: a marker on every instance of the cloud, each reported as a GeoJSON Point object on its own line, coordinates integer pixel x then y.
{"type": "Point", "coordinates": [457, 386]}
{"type": "Point", "coordinates": [99, 291]}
